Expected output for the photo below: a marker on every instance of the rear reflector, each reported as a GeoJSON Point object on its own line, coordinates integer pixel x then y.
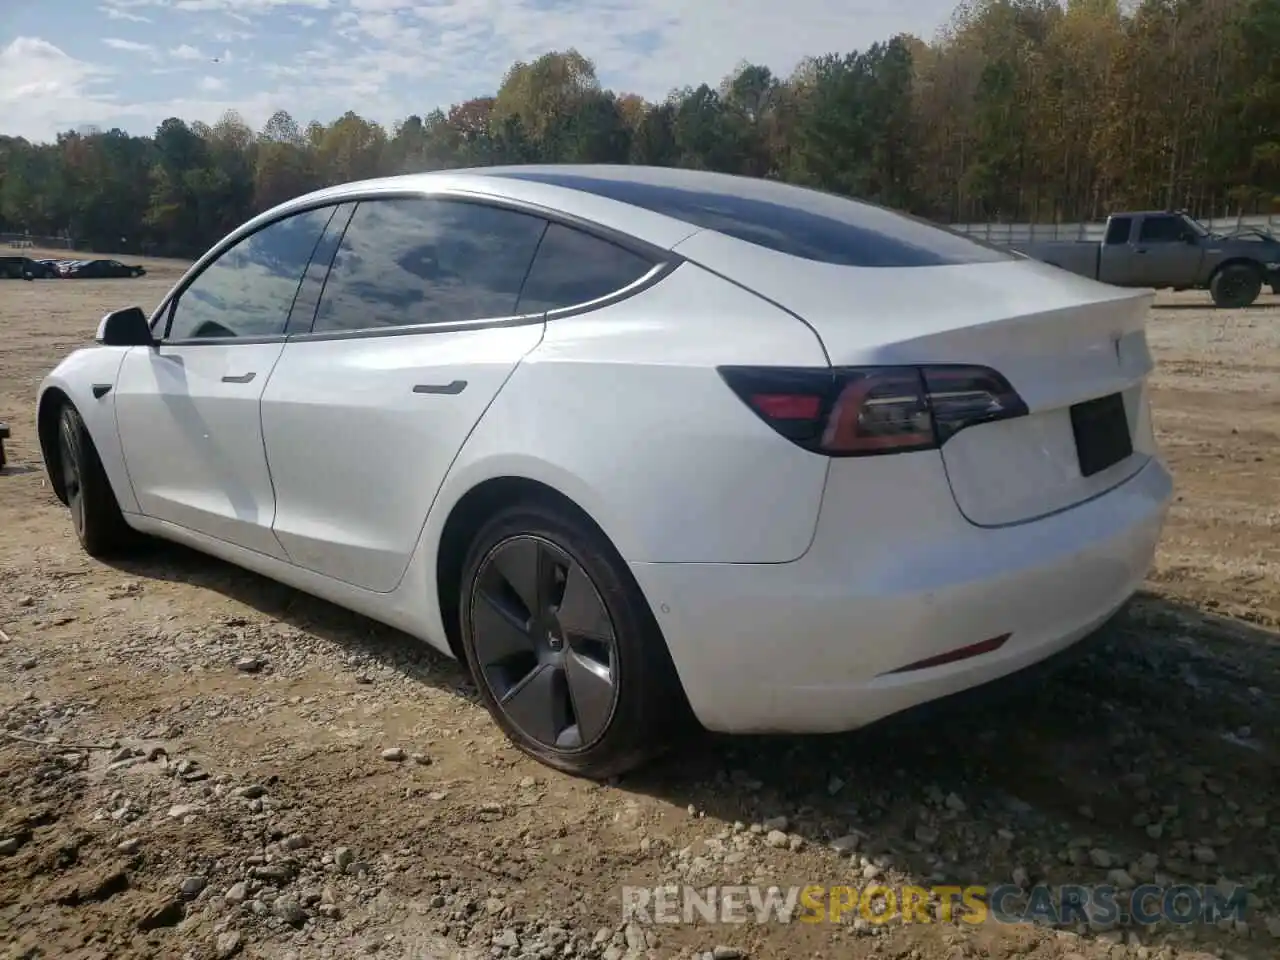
{"type": "Point", "coordinates": [864, 411]}
{"type": "Point", "coordinates": [962, 653]}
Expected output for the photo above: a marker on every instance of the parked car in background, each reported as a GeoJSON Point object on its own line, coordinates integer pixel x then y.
{"type": "Point", "coordinates": [100, 269]}
{"type": "Point", "coordinates": [25, 268]}
{"type": "Point", "coordinates": [1170, 250]}
{"type": "Point", "coordinates": [637, 443]}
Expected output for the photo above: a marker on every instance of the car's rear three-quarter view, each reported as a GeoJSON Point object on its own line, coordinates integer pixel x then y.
{"type": "Point", "coordinates": [642, 445]}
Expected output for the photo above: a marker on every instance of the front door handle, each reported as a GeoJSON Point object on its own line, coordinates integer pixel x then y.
{"type": "Point", "coordinates": [243, 378]}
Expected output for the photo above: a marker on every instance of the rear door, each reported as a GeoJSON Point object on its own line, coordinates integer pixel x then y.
{"type": "Point", "coordinates": [415, 332]}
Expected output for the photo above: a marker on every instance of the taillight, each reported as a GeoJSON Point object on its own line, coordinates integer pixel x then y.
{"type": "Point", "coordinates": [863, 411]}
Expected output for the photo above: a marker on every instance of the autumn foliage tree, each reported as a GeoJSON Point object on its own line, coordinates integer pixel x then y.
{"type": "Point", "coordinates": [1045, 110]}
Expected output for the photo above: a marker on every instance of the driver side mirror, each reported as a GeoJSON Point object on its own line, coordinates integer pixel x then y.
{"type": "Point", "coordinates": [125, 328]}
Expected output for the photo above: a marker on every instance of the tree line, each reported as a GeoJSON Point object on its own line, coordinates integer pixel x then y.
{"type": "Point", "coordinates": [1040, 110]}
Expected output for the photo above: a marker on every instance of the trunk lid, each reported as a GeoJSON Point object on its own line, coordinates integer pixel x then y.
{"type": "Point", "coordinates": [1058, 338]}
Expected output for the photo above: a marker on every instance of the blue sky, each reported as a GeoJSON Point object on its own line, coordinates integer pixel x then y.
{"type": "Point", "coordinates": [131, 63]}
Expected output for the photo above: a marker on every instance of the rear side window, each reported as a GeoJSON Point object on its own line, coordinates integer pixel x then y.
{"type": "Point", "coordinates": [1162, 230]}
{"type": "Point", "coordinates": [423, 261]}
{"type": "Point", "coordinates": [1118, 230]}
{"type": "Point", "coordinates": [792, 220]}
{"type": "Point", "coordinates": [573, 267]}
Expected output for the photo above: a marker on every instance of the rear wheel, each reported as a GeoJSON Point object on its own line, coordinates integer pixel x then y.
{"type": "Point", "coordinates": [562, 645]}
{"type": "Point", "coordinates": [95, 513]}
{"type": "Point", "coordinates": [1236, 285]}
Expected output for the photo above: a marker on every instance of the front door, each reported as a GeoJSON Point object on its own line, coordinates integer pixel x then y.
{"type": "Point", "coordinates": [189, 410]}
{"type": "Point", "coordinates": [1163, 257]}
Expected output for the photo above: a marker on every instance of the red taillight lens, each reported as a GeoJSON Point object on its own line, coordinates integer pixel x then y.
{"type": "Point", "coordinates": [862, 411]}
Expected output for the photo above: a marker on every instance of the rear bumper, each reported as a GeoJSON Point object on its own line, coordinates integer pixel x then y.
{"type": "Point", "coordinates": [809, 646]}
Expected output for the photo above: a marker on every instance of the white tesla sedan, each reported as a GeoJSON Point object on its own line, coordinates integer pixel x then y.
{"type": "Point", "coordinates": [636, 443]}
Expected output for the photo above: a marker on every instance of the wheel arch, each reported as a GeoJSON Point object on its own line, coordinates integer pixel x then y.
{"type": "Point", "coordinates": [1239, 261]}
{"type": "Point", "coordinates": [466, 517]}
{"type": "Point", "coordinates": [48, 410]}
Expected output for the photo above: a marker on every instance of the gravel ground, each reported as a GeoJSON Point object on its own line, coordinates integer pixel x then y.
{"type": "Point", "coordinates": [243, 770]}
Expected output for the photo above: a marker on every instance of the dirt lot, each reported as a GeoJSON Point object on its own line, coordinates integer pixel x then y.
{"type": "Point", "coordinates": [196, 808]}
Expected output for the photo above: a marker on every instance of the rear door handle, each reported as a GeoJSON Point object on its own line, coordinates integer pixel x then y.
{"type": "Point", "coordinates": [243, 378]}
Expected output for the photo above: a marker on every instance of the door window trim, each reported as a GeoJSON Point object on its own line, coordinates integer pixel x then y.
{"type": "Point", "coordinates": [664, 262]}
{"type": "Point", "coordinates": [164, 313]}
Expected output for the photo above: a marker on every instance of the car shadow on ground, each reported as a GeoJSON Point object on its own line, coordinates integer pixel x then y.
{"type": "Point", "coordinates": [1208, 305]}
{"type": "Point", "coordinates": [350, 632]}
{"type": "Point", "coordinates": [1159, 737]}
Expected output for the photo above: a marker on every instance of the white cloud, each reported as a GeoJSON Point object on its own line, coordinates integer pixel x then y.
{"type": "Point", "coordinates": [114, 13]}
{"type": "Point", "coordinates": [246, 6]}
{"type": "Point", "coordinates": [42, 89]}
{"type": "Point", "coordinates": [131, 46]}
{"type": "Point", "coordinates": [387, 58]}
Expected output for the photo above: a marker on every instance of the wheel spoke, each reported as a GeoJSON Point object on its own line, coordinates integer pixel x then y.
{"type": "Point", "coordinates": [70, 469]}
{"type": "Point", "coordinates": [591, 692]}
{"type": "Point", "coordinates": [582, 612]}
{"type": "Point", "coordinates": [519, 563]}
{"type": "Point", "coordinates": [539, 705]}
{"type": "Point", "coordinates": [500, 632]}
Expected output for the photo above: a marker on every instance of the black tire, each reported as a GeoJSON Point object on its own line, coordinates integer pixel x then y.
{"type": "Point", "coordinates": [510, 644]}
{"type": "Point", "coordinates": [95, 513]}
{"type": "Point", "coordinates": [1235, 286]}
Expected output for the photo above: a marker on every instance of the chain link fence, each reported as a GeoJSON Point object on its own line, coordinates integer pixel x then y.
{"type": "Point", "coordinates": [1031, 232]}
{"type": "Point", "coordinates": [24, 241]}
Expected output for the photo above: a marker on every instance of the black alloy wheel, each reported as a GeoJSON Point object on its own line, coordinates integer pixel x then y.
{"type": "Point", "coordinates": [563, 647]}
{"type": "Point", "coordinates": [95, 513]}
{"type": "Point", "coordinates": [72, 472]}
{"type": "Point", "coordinates": [545, 643]}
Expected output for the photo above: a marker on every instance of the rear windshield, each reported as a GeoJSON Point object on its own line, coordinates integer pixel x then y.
{"type": "Point", "coordinates": [792, 220]}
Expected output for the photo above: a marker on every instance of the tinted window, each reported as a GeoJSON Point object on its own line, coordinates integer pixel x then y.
{"type": "Point", "coordinates": [304, 305]}
{"type": "Point", "coordinates": [792, 220]}
{"type": "Point", "coordinates": [414, 261]}
{"type": "Point", "coordinates": [573, 267]}
{"type": "Point", "coordinates": [1162, 230]}
{"type": "Point", "coordinates": [249, 289]}
{"type": "Point", "coordinates": [1118, 230]}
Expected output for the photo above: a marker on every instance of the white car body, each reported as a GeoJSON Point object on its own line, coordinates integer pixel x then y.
{"type": "Point", "coordinates": [792, 588]}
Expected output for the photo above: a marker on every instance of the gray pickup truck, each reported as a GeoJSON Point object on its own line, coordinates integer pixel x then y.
{"type": "Point", "coordinates": [1170, 250]}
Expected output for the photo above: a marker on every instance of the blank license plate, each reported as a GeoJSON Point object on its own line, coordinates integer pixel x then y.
{"type": "Point", "coordinates": [1102, 433]}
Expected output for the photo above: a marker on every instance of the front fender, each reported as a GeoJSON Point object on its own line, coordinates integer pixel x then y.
{"type": "Point", "coordinates": [73, 380]}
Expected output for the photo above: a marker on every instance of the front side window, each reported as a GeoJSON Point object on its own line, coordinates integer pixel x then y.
{"type": "Point", "coordinates": [411, 261]}
{"type": "Point", "coordinates": [573, 267]}
{"type": "Point", "coordinates": [249, 289]}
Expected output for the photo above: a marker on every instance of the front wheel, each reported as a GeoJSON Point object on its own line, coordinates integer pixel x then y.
{"type": "Point", "coordinates": [95, 514]}
{"type": "Point", "coordinates": [1235, 286]}
{"type": "Point", "coordinates": [563, 647]}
